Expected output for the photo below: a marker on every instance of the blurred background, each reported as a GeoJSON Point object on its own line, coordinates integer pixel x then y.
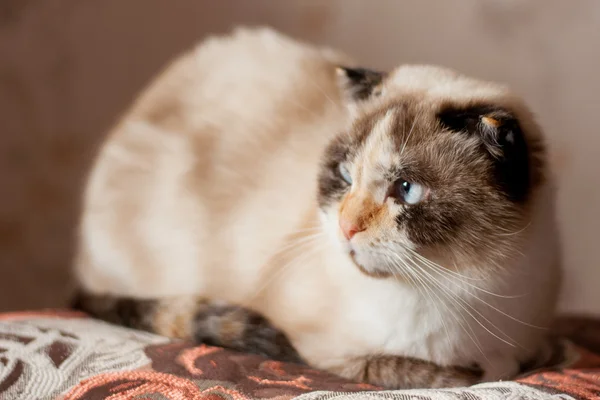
{"type": "Point", "coordinates": [69, 68]}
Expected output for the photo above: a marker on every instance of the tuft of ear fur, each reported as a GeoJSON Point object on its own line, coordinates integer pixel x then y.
{"type": "Point", "coordinates": [359, 83]}
{"type": "Point", "coordinates": [503, 140]}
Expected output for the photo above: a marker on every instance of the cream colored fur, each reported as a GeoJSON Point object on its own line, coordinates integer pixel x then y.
{"type": "Point", "coordinates": [230, 136]}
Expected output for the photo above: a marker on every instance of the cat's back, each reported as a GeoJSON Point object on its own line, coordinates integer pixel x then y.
{"type": "Point", "coordinates": [224, 142]}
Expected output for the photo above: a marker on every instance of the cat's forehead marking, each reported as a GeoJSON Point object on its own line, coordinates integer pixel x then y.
{"type": "Point", "coordinates": [379, 147]}
{"type": "Point", "coordinates": [378, 154]}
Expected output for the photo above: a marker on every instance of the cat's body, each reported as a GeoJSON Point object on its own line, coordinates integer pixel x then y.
{"type": "Point", "coordinates": [212, 187]}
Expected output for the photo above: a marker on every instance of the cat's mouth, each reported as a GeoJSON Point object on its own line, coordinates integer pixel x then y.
{"type": "Point", "coordinates": [374, 273]}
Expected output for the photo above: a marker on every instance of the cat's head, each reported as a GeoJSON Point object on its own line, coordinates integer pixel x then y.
{"type": "Point", "coordinates": [433, 166]}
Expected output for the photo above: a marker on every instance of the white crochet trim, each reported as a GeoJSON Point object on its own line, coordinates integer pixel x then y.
{"type": "Point", "coordinates": [491, 391]}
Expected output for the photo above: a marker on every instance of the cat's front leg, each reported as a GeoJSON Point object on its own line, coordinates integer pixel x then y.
{"type": "Point", "coordinates": [238, 328]}
{"type": "Point", "coordinates": [398, 372]}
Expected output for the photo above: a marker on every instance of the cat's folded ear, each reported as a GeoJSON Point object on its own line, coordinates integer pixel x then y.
{"type": "Point", "coordinates": [497, 128]}
{"type": "Point", "coordinates": [517, 160]}
{"type": "Point", "coordinates": [359, 83]}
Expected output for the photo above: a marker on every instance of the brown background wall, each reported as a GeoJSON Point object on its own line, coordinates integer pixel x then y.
{"type": "Point", "coordinates": [69, 67]}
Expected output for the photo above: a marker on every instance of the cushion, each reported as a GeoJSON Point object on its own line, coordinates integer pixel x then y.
{"type": "Point", "coordinates": [67, 355]}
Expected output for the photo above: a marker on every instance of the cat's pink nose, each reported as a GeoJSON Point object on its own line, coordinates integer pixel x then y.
{"type": "Point", "coordinates": [349, 229]}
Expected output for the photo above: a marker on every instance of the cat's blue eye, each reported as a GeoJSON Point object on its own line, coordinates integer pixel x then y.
{"type": "Point", "coordinates": [410, 192]}
{"type": "Point", "coordinates": [345, 173]}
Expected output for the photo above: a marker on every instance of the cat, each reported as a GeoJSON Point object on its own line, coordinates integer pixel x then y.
{"type": "Point", "coordinates": [270, 196]}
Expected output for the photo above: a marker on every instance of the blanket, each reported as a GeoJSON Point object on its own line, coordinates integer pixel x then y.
{"type": "Point", "coordinates": [67, 355]}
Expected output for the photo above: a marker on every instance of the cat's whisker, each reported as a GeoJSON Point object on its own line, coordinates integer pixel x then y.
{"type": "Point", "coordinates": [427, 290]}
{"type": "Point", "coordinates": [466, 327]}
{"type": "Point", "coordinates": [301, 234]}
{"type": "Point", "coordinates": [431, 293]}
{"type": "Point", "coordinates": [458, 301]}
{"type": "Point", "coordinates": [459, 277]}
{"type": "Point", "coordinates": [461, 302]}
{"type": "Point", "coordinates": [432, 263]}
{"type": "Point", "coordinates": [509, 233]}
{"type": "Point", "coordinates": [299, 241]}
{"type": "Point", "coordinates": [309, 229]}
{"type": "Point", "coordinates": [296, 252]}
{"type": "Point", "coordinates": [280, 271]}
{"type": "Point", "coordinates": [441, 269]}
{"type": "Point", "coordinates": [406, 272]}
{"type": "Point", "coordinates": [303, 107]}
{"type": "Point", "coordinates": [451, 274]}
{"type": "Point", "coordinates": [428, 261]}
{"type": "Point", "coordinates": [508, 315]}
{"type": "Point", "coordinates": [403, 273]}
{"type": "Point", "coordinates": [445, 273]}
{"type": "Point", "coordinates": [409, 134]}
{"type": "Point", "coordinates": [336, 105]}
{"type": "Point", "coordinates": [452, 312]}
{"type": "Point", "coordinates": [493, 294]}
{"type": "Point", "coordinates": [312, 240]}
{"type": "Point", "coordinates": [458, 318]}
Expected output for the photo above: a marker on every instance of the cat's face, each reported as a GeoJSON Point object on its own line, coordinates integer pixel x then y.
{"type": "Point", "coordinates": [434, 166]}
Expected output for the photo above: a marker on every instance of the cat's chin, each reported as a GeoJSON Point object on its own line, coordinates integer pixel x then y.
{"type": "Point", "coordinates": [372, 272]}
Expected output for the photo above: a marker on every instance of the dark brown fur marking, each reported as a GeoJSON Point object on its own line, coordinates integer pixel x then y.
{"type": "Point", "coordinates": [243, 330]}
{"type": "Point", "coordinates": [362, 82]}
{"type": "Point", "coordinates": [410, 373]}
{"type": "Point", "coordinates": [132, 313]}
{"type": "Point", "coordinates": [513, 169]}
{"type": "Point", "coordinates": [213, 323]}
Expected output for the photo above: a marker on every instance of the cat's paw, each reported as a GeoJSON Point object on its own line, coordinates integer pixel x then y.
{"type": "Point", "coordinates": [240, 329]}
